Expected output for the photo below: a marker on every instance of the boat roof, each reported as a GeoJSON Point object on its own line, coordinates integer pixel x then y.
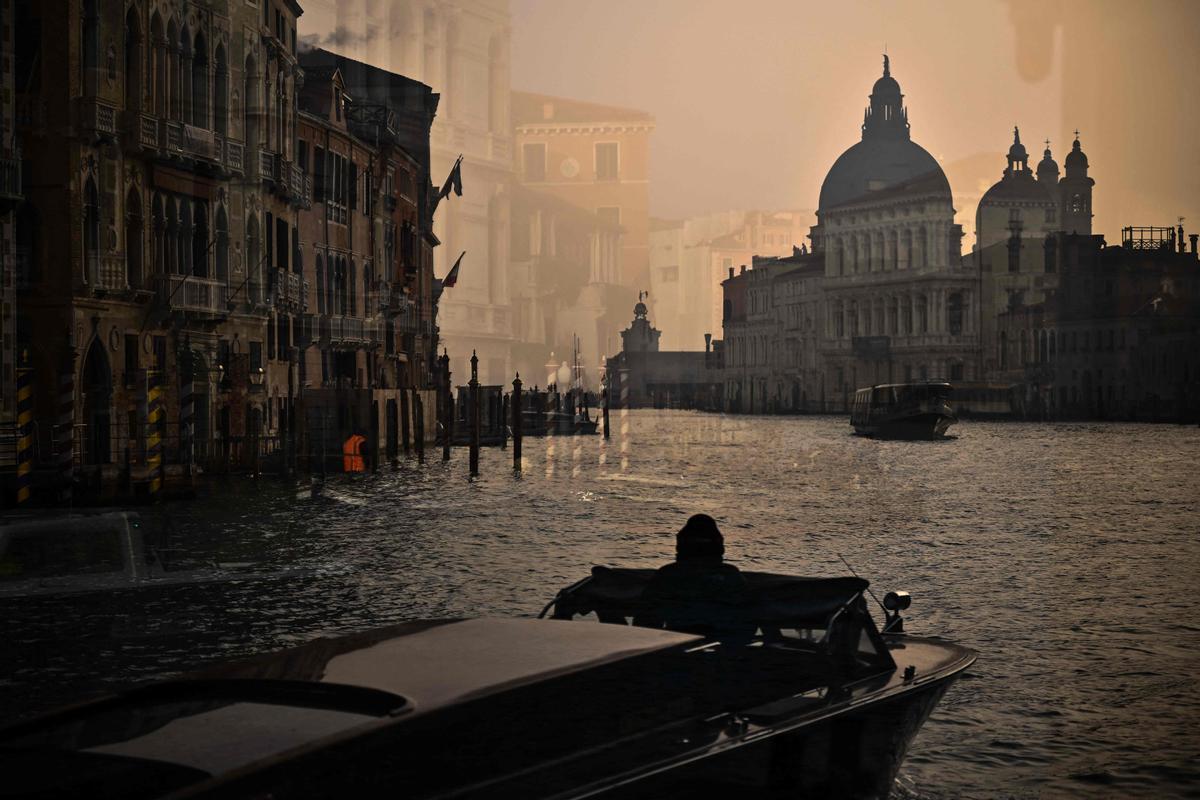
{"type": "Point", "coordinates": [230, 717]}
{"type": "Point", "coordinates": [71, 522]}
{"type": "Point", "coordinates": [439, 663]}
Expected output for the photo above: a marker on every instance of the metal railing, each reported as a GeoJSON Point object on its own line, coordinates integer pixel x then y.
{"type": "Point", "coordinates": [235, 154]}
{"type": "Point", "coordinates": [190, 293]}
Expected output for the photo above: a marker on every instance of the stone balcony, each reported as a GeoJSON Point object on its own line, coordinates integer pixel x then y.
{"type": "Point", "coordinates": [289, 291]}
{"type": "Point", "coordinates": [97, 117]}
{"type": "Point", "coordinates": [189, 293]}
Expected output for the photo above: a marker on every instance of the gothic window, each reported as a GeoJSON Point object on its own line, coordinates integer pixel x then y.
{"type": "Point", "coordinates": [185, 243]}
{"type": "Point", "coordinates": [133, 239]}
{"type": "Point", "coordinates": [320, 284]}
{"type": "Point", "coordinates": [221, 247]}
{"type": "Point", "coordinates": [158, 65]}
{"type": "Point", "coordinates": [91, 45]}
{"type": "Point", "coordinates": [133, 62]}
{"type": "Point", "coordinates": [251, 104]}
{"type": "Point", "coordinates": [172, 90]}
{"type": "Point", "coordinates": [1076, 202]}
{"type": "Point", "coordinates": [170, 254]}
{"type": "Point", "coordinates": [221, 94]}
{"type": "Point", "coordinates": [185, 75]}
{"type": "Point", "coordinates": [200, 82]}
{"type": "Point", "coordinates": [254, 258]}
{"type": "Point", "coordinates": [200, 240]}
{"type": "Point", "coordinates": [91, 232]}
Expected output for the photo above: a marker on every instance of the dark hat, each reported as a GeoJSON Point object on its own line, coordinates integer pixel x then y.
{"type": "Point", "coordinates": [699, 537]}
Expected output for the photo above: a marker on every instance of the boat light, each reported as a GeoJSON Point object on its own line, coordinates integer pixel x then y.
{"type": "Point", "coordinates": [897, 601]}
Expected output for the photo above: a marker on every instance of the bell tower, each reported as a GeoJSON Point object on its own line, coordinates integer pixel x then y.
{"type": "Point", "coordinates": [1076, 189]}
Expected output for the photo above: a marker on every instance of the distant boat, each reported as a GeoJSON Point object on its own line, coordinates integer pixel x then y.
{"type": "Point", "coordinates": [903, 410]}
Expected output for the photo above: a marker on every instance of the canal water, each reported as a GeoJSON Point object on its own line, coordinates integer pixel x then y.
{"type": "Point", "coordinates": [1067, 555]}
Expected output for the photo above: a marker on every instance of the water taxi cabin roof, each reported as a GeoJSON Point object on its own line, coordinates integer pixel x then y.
{"type": "Point", "coordinates": [435, 664]}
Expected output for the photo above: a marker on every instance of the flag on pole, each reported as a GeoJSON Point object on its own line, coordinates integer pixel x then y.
{"type": "Point", "coordinates": [452, 276]}
{"type": "Point", "coordinates": [453, 181]}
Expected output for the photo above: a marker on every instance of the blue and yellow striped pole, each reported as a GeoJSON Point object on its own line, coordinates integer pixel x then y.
{"type": "Point", "coordinates": [24, 435]}
{"type": "Point", "coordinates": [154, 418]}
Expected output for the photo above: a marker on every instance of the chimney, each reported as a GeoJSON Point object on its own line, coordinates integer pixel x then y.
{"type": "Point", "coordinates": [1192, 238]}
{"type": "Point", "coordinates": [731, 272]}
{"type": "Point", "coordinates": [708, 336]}
{"type": "Point", "coordinates": [743, 272]}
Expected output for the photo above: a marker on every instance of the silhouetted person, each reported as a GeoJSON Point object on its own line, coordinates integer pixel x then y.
{"type": "Point", "coordinates": [699, 592]}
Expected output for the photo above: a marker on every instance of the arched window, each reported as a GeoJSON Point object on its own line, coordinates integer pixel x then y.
{"type": "Point", "coordinates": [254, 259]}
{"type": "Point", "coordinates": [221, 94]}
{"type": "Point", "coordinates": [133, 239]}
{"type": "Point", "coordinates": [184, 240]}
{"type": "Point", "coordinates": [200, 240]}
{"type": "Point", "coordinates": [90, 37]}
{"type": "Point", "coordinates": [185, 74]}
{"type": "Point", "coordinates": [250, 104]}
{"type": "Point", "coordinates": [904, 258]}
{"type": "Point", "coordinates": [922, 314]}
{"type": "Point", "coordinates": [200, 82]}
{"type": "Point", "coordinates": [320, 284]}
{"type": "Point", "coordinates": [172, 83]}
{"type": "Point", "coordinates": [281, 105]}
{"type": "Point", "coordinates": [158, 65]}
{"type": "Point", "coordinates": [91, 232]}
{"type": "Point", "coordinates": [352, 288]}
{"type": "Point", "coordinates": [170, 250]}
{"type": "Point", "coordinates": [133, 62]}
{"type": "Point", "coordinates": [892, 257]}
{"type": "Point", "coordinates": [221, 247]}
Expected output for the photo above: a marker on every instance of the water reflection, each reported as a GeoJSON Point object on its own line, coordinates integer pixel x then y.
{"type": "Point", "coordinates": [1065, 554]}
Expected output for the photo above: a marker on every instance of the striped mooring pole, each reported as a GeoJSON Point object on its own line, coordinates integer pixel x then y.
{"type": "Point", "coordinates": [65, 444]}
{"type": "Point", "coordinates": [154, 418]}
{"type": "Point", "coordinates": [24, 435]}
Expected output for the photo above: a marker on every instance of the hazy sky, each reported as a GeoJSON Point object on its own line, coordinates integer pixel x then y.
{"type": "Point", "coordinates": [755, 99]}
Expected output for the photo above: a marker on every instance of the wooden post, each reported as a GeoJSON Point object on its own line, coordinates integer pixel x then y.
{"type": "Point", "coordinates": [604, 405]}
{"type": "Point", "coordinates": [475, 419]}
{"type": "Point", "coordinates": [373, 445]}
{"type": "Point", "coordinates": [515, 405]}
{"type": "Point", "coordinates": [503, 421]}
{"type": "Point", "coordinates": [446, 406]}
{"type": "Point", "coordinates": [419, 432]}
{"type": "Point", "coordinates": [404, 416]}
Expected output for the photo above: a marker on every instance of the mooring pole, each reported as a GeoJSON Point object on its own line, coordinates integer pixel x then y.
{"type": "Point", "coordinates": [446, 407]}
{"type": "Point", "coordinates": [516, 421]}
{"type": "Point", "coordinates": [419, 427]}
{"type": "Point", "coordinates": [604, 404]}
{"type": "Point", "coordinates": [405, 414]}
{"type": "Point", "coordinates": [475, 419]}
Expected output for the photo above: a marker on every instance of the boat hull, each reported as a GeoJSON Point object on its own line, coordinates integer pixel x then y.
{"type": "Point", "coordinates": [918, 426]}
{"type": "Point", "coordinates": [852, 755]}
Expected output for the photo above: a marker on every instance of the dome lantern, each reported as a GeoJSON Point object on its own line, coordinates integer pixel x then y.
{"type": "Point", "coordinates": [1047, 169]}
{"type": "Point", "coordinates": [1018, 158]}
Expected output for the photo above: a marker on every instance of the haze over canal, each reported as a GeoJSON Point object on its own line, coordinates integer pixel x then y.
{"type": "Point", "coordinates": [1065, 554]}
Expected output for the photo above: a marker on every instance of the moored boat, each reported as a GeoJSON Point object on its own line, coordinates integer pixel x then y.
{"type": "Point", "coordinates": [903, 410]}
{"type": "Point", "coordinates": [793, 691]}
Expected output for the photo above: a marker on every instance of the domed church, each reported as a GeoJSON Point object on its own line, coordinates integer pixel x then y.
{"type": "Point", "coordinates": [899, 303]}
{"type": "Point", "coordinates": [1017, 224]}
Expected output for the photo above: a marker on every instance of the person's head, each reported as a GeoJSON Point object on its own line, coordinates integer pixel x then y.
{"type": "Point", "coordinates": [699, 538]}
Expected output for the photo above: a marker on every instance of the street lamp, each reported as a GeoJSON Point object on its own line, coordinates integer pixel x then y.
{"type": "Point", "coordinates": [257, 378]}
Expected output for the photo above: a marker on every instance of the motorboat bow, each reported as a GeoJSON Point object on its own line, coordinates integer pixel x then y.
{"type": "Point", "coordinates": [801, 695]}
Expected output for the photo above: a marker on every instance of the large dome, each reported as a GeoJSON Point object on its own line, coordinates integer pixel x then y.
{"type": "Point", "coordinates": [887, 159]}
{"type": "Point", "coordinates": [875, 165]}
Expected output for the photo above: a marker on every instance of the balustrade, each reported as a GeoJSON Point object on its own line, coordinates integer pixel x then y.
{"type": "Point", "coordinates": [191, 293]}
